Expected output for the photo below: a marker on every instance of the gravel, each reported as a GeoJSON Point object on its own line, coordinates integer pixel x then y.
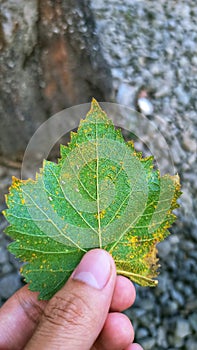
{"type": "Point", "coordinates": [151, 46]}
{"type": "Point", "coordinates": [10, 280]}
{"type": "Point", "coordinates": [182, 328]}
{"type": "Point", "coordinates": [9, 284]}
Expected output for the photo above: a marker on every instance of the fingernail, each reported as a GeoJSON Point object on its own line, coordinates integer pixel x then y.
{"type": "Point", "coordinates": [94, 269]}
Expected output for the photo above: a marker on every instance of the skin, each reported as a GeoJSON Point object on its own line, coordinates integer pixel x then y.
{"type": "Point", "coordinates": [77, 317]}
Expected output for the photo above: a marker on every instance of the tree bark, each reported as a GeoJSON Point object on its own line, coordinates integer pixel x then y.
{"type": "Point", "coordinates": [50, 59]}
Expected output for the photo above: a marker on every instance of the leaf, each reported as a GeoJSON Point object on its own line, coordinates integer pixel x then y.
{"type": "Point", "coordinates": [100, 194]}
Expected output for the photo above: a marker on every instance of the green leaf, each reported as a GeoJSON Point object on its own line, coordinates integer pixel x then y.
{"type": "Point", "coordinates": [100, 194]}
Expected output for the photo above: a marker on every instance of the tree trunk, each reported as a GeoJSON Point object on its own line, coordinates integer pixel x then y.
{"type": "Point", "coordinates": [50, 59]}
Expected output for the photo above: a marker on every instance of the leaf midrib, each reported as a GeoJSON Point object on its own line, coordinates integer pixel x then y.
{"type": "Point", "coordinates": [97, 189]}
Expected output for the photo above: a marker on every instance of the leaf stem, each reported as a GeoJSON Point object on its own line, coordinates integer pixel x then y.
{"type": "Point", "coordinates": [131, 274]}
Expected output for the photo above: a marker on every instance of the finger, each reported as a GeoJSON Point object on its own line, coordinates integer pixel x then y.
{"type": "Point", "coordinates": [19, 317]}
{"type": "Point", "coordinates": [124, 294]}
{"type": "Point", "coordinates": [75, 316]}
{"type": "Point", "coordinates": [117, 333]}
{"type": "Point", "coordinates": [134, 346]}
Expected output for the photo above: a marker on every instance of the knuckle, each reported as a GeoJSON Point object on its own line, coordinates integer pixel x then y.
{"type": "Point", "coordinates": [31, 309]}
{"type": "Point", "coordinates": [67, 311]}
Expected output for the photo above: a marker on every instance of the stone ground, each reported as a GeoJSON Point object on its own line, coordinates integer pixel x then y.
{"type": "Point", "coordinates": [151, 47]}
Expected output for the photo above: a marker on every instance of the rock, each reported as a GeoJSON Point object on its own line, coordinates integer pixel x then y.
{"type": "Point", "coordinates": [117, 73]}
{"type": "Point", "coordinates": [145, 106]}
{"type": "Point", "coordinates": [192, 159]}
{"type": "Point", "coordinates": [177, 297]}
{"type": "Point", "coordinates": [187, 291]}
{"type": "Point", "coordinates": [6, 268]}
{"type": "Point", "coordinates": [190, 45]}
{"type": "Point", "coordinates": [164, 248]}
{"type": "Point", "coordinates": [189, 143]}
{"type": "Point", "coordinates": [164, 90]}
{"type": "Point", "coordinates": [156, 68]}
{"type": "Point", "coordinates": [161, 337]}
{"type": "Point", "coordinates": [139, 312]}
{"type": "Point", "coordinates": [3, 255]}
{"type": "Point", "coordinates": [9, 284]}
{"type": "Point", "coordinates": [146, 320]}
{"type": "Point", "coordinates": [17, 263]}
{"type": "Point", "coordinates": [191, 304]}
{"type": "Point", "coordinates": [182, 328]}
{"type": "Point", "coordinates": [126, 94]}
{"type": "Point", "coordinates": [174, 239]}
{"type": "Point", "coordinates": [194, 60]}
{"type": "Point", "coordinates": [164, 298]}
{"type": "Point", "coordinates": [147, 304]}
{"type": "Point", "coordinates": [184, 61]}
{"type": "Point", "coordinates": [186, 201]}
{"type": "Point", "coordinates": [191, 344]}
{"type": "Point", "coordinates": [176, 151]}
{"type": "Point", "coordinates": [170, 308]}
{"type": "Point", "coordinates": [142, 333]}
{"type": "Point", "coordinates": [188, 246]}
{"type": "Point", "coordinates": [148, 343]}
{"type": "Point", "coordinates": [163, 282]}
{"type": "Point", "coordinates": [182, 95]}
{"type": "Point", "coordinates": [176, 342]}
{"type": "Point", "coordinates": [193, 254]}
{"type": "Point", "coordinates": [194, 229]}
{"type": "Point", "coordinates": [193, 321]}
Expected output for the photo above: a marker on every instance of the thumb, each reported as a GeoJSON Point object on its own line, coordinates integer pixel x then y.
{"type": "Point", "coordinates": [75, 315]}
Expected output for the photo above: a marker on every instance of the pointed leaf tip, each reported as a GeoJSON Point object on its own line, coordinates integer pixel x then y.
{"type": "Point", "coordinates": [95, 107]}
{"type": "Point", "coordinates": [95, 103]}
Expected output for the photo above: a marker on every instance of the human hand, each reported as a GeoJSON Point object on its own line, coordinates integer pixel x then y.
{"type": "Point", "coordinates": [83, 315]}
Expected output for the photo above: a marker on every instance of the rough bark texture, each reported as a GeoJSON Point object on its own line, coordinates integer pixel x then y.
{"type": "Point", "coordinates": [50, 59]}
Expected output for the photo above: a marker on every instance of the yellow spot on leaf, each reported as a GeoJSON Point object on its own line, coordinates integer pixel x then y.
{"type": "Point", "coordinates": [133, 239]}
{"type": "Point", "coordinates": [101, 214]}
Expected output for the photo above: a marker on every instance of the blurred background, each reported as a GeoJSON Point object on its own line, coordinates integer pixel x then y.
{"type": "Point", "coordinates": [142, 54]}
